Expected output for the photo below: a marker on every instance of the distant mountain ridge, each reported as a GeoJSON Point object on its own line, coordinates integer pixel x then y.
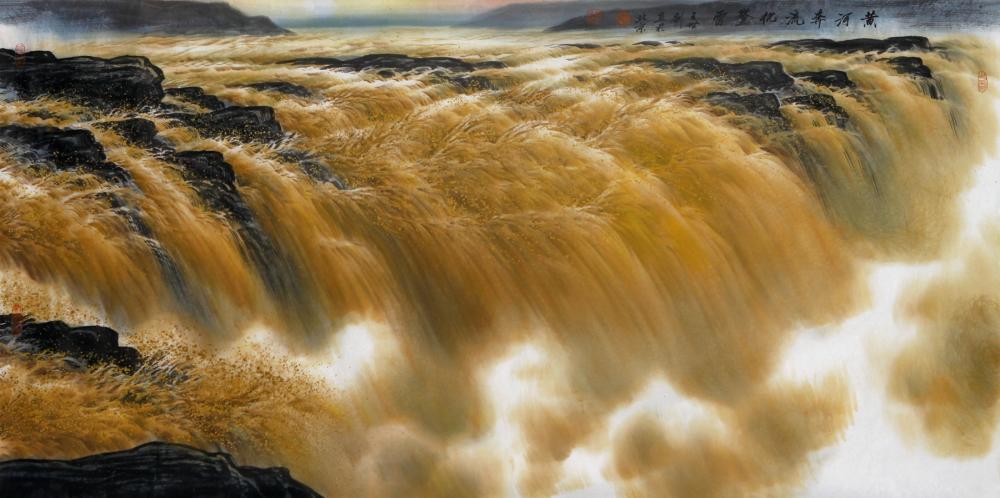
{"type": "Point", "coordinates": [545, 14]}
{"type": "Point", "coordinates": [173, 17]}
{"type": "Point", "coordinates": [722, 16]}
{"type": "Point", "coordinates": [573, 15]}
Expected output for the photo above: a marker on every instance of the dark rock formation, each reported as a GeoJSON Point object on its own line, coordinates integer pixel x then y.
{"type": "Point", "coordinates": [892, 44]}
{"type": "Point", "coordinates": [247, 124]}
{"type": "Point", "coordinates": [197, 96]}
{"type": "Point", "coordinates": [826, 104]}
{"type": "Point", "coordinates": [765, 105]}
{"type": "Point", "coordinates": [282, 87]}
{"type": "Point", "coordinates": [311, 166]}
{"type": "Point", "coordinates": [762, 75]}
{"type": "Point", "coordinates": [79, 150]}
{"type": "Point", "coordinates": [396, 62]}
{"type": "Point", "coordinates": [473, 82]}
{"type": "Point", "coordinates": [585, 46]}
{"type": "Point", "coordinates": [658, 43]}
{"type": "Point", "coordinates": [139, 132]}
{"type": "Point", "coordinates": [63, 149]}
{"type": "Point", "coordinates": [126, 81]}
{"type": "Point", "coordinates": [207, 166]}
{"type": "Point", "coordinates": [148, 16]}
{"type": "Point", "coordinates": [215, 182]}
{"type": "Point", "coordinates": [489, 65]}
{"type": "Point", "coordinates": [136, 131]}
{"type": "Point", "coordinates": [153, 470]}
{"type": "Point", "coordinates": [912, 66]}
{"type": "Point", "coordinates": [830, 78]}
{"type": "Point", "coordinates": [69, 149]}
{"type": "Point", "coordinates": [82, 346]}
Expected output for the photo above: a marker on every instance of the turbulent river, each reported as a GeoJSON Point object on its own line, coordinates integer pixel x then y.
{"type": "Point", "coordinates": [584, 268]}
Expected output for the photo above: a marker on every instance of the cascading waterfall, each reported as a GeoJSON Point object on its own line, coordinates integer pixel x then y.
{"type": "Point", "coordinates": [592, 203]}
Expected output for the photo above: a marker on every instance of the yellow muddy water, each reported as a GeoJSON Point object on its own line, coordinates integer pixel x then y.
{"type": "Point", "coordinates": [600, 211]}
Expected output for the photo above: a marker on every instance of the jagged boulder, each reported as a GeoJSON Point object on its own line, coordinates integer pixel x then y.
{"type": "Point", "coordinates": [830, 78]}
{"type": "Point", "coordinates": [137, 131]}
{"type": "Point", "coordinates": [215, 181]}
{"type": "Point", "coordinates": [206, 165]}
{"type": "Point", "coordinates": [63, 149]}
{"type": "Point", "coordinates": [246, 124]}
{"type": "Point", "coordinates": [281, 87]}
{"type": "Point", "coordinates": [912, 66]}
{"type": "Point", "coordinates": [256, 123]}
{"type": "Point", "coordinates": [197, 96]}
{"type": "Point", "coordinates": [83, 346]}
{"type": "Point", "coordinates": [121, 82]}
{"type": "Point", "coordinates": [835, 114]}
{"type": "Point", "coordinates": [891, 44]}
{"type": "Point", "coordinates": [765, 105]}
{"type": "Point", "coordinates": [762, 75]}
{"type": "Point", "coordinates": [153, 470]}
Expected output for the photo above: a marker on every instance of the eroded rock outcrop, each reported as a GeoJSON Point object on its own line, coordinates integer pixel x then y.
{"type": "Point", "coordinates": [762, 75]}
{"type": "Point", "coordinates": [584, 46]}
{"type": "Point", "coordinates": [281, 87]}
{"type": "Point", "coordinates": [121, 82]}
{"type": "Point", "coordinates": [246, 124]}
{"type": "Point", "coordinates": [137, 131]}
{"type": "Point", "coordinates": [829, 78]}
{"type": "Point", "coordinates": [197, 96]}
{"type": "Point", "coordinates": [891, 44]}
{"type": "Point", "coordinates": [914, 67]}
{"type": "Point", "coordinates": [62, 149]}
{"type": "Point", "coordinates": [153, 470]}
{"type": "Point", "coordinates": [826, 104]}
{"type": "Point", "coordinates": [81, 346]}
{"type": "Point", "coordinates": [765, 105]}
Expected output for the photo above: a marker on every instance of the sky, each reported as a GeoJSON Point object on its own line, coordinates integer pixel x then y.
{"type": "Point", "coordinates": [312, 8]}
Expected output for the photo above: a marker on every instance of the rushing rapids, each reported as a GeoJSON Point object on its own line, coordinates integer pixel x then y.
{"type": "Point", "coordinates": [639, 212]}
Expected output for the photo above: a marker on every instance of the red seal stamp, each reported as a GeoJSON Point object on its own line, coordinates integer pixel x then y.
{"type": "Point", "coordinates": [594, 17]}
{"type": "Point", "coordinates": [19, 51]}
{"type": "Point", "coordinates": [984, 82]}
{"type": "Point", "coordinates": [624, 19]}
